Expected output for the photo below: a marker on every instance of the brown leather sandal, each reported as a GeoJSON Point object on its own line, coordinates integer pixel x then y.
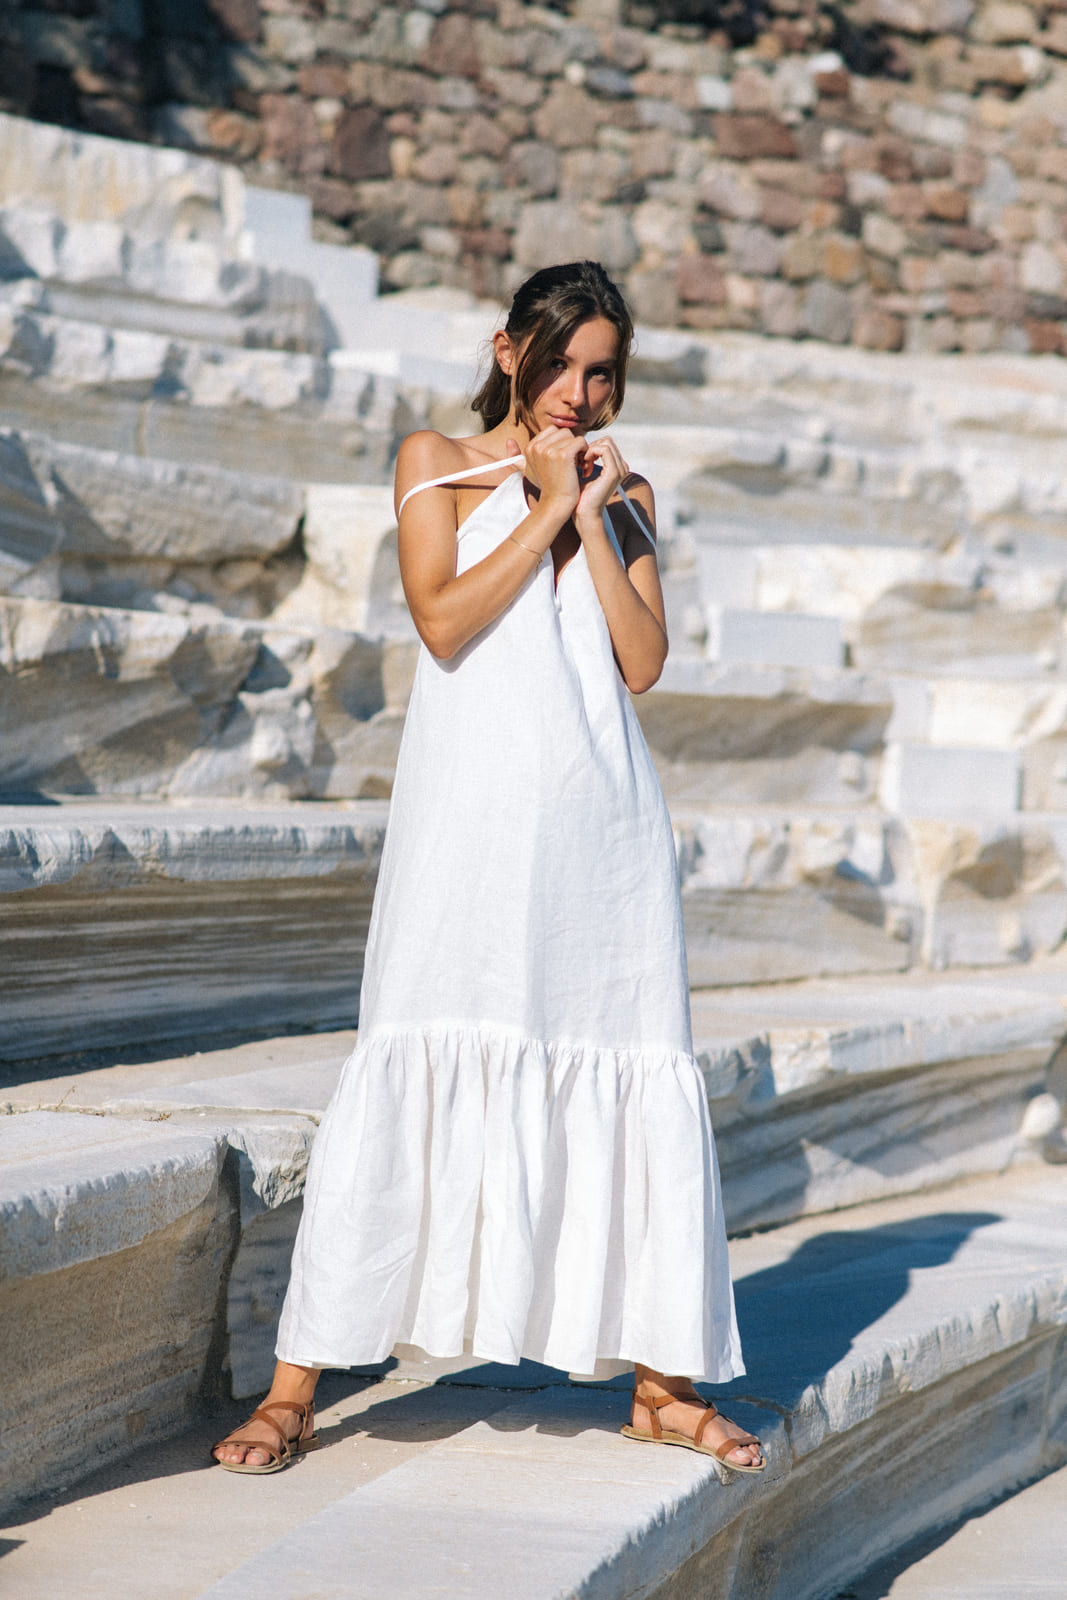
{"type": "Point", "coordinates": [280, 1454]}
{"type": "Point", "coordinates": [645, 1396]}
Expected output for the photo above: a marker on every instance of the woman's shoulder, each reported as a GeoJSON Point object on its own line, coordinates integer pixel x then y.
{"type": "Point", "coordinates": [429, 454]}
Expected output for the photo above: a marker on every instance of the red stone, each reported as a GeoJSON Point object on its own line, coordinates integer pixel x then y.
{"type": "Point", "coordinates": [894, 159]}
{"type": "Point", "coordinates": [975, 241]}
{"type": "Point", "coordinates": [781, 210]}
{"type": "Point", "coordinates": [1046, 338]}
{"type": "Point", "coordinates": [291, 134]}
{"type": "Point", "coordinates": [237, 19]}
{"type": "Point", "coordinates": [834, 85]}
{"type": "Point", "coordinates": [965, 303]}
{"type": "Point", "coordinates": [700, 281]}
{"type": "Point", "coordinates": [946, 203]}
{"type": "Point", "coordinates": [360, 146]}
{"type": "Point", "coordinates": [877, 330]}
{"type": "Point", "coordinates": [452, 50]}
{"type": "Point", "coordinates": [322, 80]}
{"type": "Point", "coordinates": [745, 137]}
{"type": "Point", "coordinates": [233, 134]}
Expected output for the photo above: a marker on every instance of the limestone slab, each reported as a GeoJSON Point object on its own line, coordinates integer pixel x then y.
{"type": "Point", "coordinates": [86, 177]}
{"type": "Point", "coordinates": [779, 638]}
{"type": "Point", "coordinates": [736, 733]}
{"type": "Point", "coordinates": [849, 1092]}
{"type": "Point", "coordinates": [883, 1357]}
{"type": "Point", "coordinates": [351, 578]}
{"type": "Point", "coordinates": [76, 1187]}
{"type": "Point", "coordinates": [268, 914]}
{"type": "Point", "coordinates": [102, 699]}
{"type": "Point", "coordinates": [768, 895]}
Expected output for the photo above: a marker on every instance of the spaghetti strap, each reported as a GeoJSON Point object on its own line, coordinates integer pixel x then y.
{"type": "Point", "coordinates": [520, 461]}
{"type": "Point", "coordinates": [464, 472]}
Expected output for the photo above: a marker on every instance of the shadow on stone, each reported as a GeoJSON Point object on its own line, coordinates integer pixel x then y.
{"type": "Point", "coordinates": [799, 1318]}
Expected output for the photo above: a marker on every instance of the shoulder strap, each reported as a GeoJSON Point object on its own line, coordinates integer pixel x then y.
{"type": "Point", "coordinates": [520, 461]}
{"type": "Point", "coordinates": [464, 472]}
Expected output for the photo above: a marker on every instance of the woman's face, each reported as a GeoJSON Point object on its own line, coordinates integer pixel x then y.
{"type": "Point", "coordinates": [580, 381]}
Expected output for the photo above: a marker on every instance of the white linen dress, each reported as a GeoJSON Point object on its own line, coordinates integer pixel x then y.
{"type": "Point", "coordinates": [518, 1159]}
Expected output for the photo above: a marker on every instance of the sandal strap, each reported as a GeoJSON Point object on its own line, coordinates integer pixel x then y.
{"type": "Point", "coordinates": [303, 1411]}
{"type": "Point", "coordinates": [262, 1414]}
{"type": "Point", "coordinates": [729, 1445]}
{"type": "Point", "coordinates": [712, 1411]}
{"type": "Point", "coordinates": [645, 1396]}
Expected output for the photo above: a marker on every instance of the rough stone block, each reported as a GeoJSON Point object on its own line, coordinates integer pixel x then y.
{"type": "Point", "coordinates": [82, 177]}
{"type": "Point", "coordinates": [767, 897]}
{"type": "Point", "coordinates": [775, 638]}
{"type": "Point", "coordinates": [270, 911]}
{"type": "Point", "coordinates": [995, 892]}
{"type": "Point", "coordinates": [938, 1082]}
{"type": "Point", "coordinates": [115, 1239]}
{"type": "Point", "coordinates": [747, 734]}
{"type": "Point", "coordinates": [931, 781]}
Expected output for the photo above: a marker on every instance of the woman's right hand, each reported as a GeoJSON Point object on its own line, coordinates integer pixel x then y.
{"type": "Point", "coordinates": [554, 458]}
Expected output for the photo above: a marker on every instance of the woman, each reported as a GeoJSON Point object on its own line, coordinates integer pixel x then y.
{"type": "Point", "coordinates": [518, 1159]}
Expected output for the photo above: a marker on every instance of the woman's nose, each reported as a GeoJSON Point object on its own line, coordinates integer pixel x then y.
{"type": "Point", "coordinates": [575, 388]}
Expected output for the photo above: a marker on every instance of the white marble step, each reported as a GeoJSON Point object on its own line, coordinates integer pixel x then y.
{"type": "Point", "coordinates": [570, 1507]}
{"type": "Point", "coordinates": [124, 924]}
{"type": "Point", "coordinates": [905, 1364]}
{"type": "Point", "coordinates": [129, 531]}
{"type": "Point", "coordinates": [899, 608]}
{"type": "Point", "coordinates": [187, 702]}
{"type": "Point", "coordinates": [822, 1095]}
{"type": "Point", "coordinates": [792, 892]}
{"type": "Point", "coordinates": [73, 516]}
{"type": "Point", "coordinates": [159, 238]}
{"type": "Point", "coordinates": [830, 1093]}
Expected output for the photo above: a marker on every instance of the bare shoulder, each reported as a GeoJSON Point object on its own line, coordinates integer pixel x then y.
{"type": "Point", "coordinates": [638, 490]}
{"type": "Point", "coordinates": [427, 454]}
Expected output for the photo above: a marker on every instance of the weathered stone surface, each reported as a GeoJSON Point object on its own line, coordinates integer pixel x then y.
{"type": "Point", "coordinates": [899, 1361]}
{"type": "Point", "coordinates": [83, 178]}
{"type": "Point", "coordinates": [352, 576]}
{"type": "Point", "coordinates": [767, 897]}
{"type": "Point", "coordinates": [111, 512]}
{"type": "Point", "coordinates": [86, 1203]}
{"type": "Point", "coordinates": [272, 908]}
{"type": "Point", "coordinates": [765, 735]}
{"type": "Point", "coordinates": [850, 1092]}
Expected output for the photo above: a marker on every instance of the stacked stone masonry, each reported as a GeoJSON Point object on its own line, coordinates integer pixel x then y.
{"type": "Point", "coordinates": [890, 173]}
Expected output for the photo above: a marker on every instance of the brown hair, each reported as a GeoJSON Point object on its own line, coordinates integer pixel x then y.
{"type": "Point", "coordinates": [544, 314]}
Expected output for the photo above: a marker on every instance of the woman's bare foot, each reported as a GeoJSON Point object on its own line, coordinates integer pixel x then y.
{"type": "Point", "coordinates": [293, 1386]}
{"type": "Point", "coordinates": [684, 1413]}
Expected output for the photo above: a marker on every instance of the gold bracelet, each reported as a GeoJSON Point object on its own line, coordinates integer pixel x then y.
{"type": "Point", "coordinates": [525, 547]}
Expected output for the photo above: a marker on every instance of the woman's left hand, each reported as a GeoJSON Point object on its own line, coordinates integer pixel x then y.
{"type": "Point", "coordinates": [601, 470]}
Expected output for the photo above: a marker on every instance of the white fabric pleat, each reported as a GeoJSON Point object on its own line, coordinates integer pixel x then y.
{"type": "Point", "coordinates": [518, 1159]}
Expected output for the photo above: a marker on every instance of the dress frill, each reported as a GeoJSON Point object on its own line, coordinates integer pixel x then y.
{"type": "Point", "coordinates": [504, 1198]}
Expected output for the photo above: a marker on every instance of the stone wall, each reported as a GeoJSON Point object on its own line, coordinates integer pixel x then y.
{"type": "Point", "coordinates": [891, 173]}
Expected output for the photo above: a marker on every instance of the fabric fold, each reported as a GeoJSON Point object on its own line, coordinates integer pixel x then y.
{"type": "Point", "coordinates": [505, 1198]}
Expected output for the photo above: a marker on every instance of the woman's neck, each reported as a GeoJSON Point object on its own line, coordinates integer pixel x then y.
{"type": "Point", "coordinates": [499, 439]}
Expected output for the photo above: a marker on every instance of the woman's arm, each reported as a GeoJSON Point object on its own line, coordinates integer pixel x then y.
{"type": "Point", "coordinates": [448, 609]}
{"type": "Point", "coordinates": [629, 591]}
